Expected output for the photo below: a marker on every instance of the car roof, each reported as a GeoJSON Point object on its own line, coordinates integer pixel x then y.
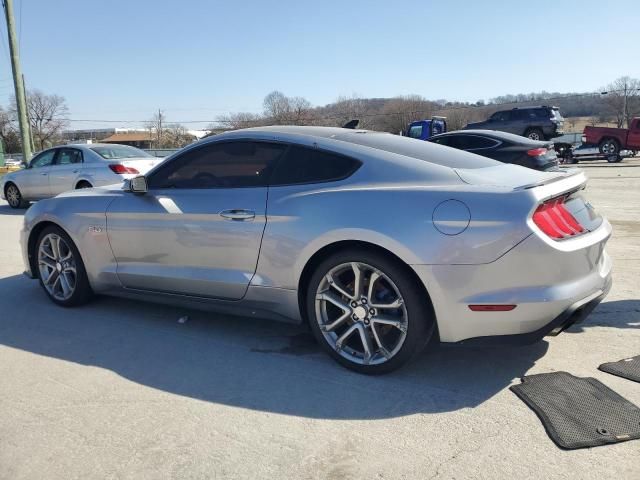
{"type": "Point", "coordinates": [351, 142]}
{"type": "Point", "coordinates": [495, 134]}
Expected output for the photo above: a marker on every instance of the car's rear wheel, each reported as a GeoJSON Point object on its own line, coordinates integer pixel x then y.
{"type": "Point", "coordinates": [609, 146]}
{"type": "Point", "coordinates": [83, 184]}
{"type": "Point", "coordinates": [367, 311]}
{"type": "Point", "coordinates": [534, 134]}
{"type": "Point", "coordinates": [60, 268]}
{"type": "Point", "coordinates": [14, 197]}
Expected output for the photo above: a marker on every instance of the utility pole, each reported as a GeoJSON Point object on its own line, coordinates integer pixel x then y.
{"type": "Point", "coordinates": [159, 127]}
{"type": "Point", "coordinates": [24, 86]}
{"type": "Point", "coordinates": [21, 101]}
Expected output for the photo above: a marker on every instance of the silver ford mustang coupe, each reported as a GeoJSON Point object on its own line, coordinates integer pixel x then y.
{"type": "Point", "coordinates": [381, 243]}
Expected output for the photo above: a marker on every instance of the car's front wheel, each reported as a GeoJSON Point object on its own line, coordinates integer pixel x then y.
{"type": "Point", "coordinates": [14, 197]}
{"type": "Point", "coordinates": [367, 311]}
{"type": "Point", "coordinates": [60, 268]}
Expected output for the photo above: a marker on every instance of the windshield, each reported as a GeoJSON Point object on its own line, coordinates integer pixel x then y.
{"type": "Point", "coordinates": [113, 152]}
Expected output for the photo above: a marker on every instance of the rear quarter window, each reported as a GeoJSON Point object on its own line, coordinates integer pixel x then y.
{"type": "Point", "coordinates": [302, 165]}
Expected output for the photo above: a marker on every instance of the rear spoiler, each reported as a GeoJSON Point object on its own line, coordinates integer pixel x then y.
{"type": "Point", "coordinates": [517, 178]}
{"type": "Point", "coordinates": [574, 180]}
{"type": "Point", "coordinates": [570, 176]}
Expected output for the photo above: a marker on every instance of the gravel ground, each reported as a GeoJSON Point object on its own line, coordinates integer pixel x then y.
{"type": "Point", "coordinates": [121, 389]}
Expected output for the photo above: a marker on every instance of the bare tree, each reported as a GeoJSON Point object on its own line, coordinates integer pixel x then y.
{"type": "Point", "coordinates": [398, 112]}
{"type": "Point", "coordinates": [47, 116]}
{"type": "Point", "coordinates": [299, 111]}
{"type": "Point", "coordinates": [623, 99]}
{"type": "Point", "coordinates": [8, 134]}
{"type": "Point", "coordinates": [238, 120]}
{"type": "Point", "coordinates": [457, 118]}
{"type": "Point", "coordinates": [176, 136]}
{"type": "Point", "coordinates": [156, 126]}
{"type": "Point", "coordinates": [345, 109]}
{"type": "Point", "coordinates": [282, 110]}
{"type": "Point", "coordinates": [277, 107]}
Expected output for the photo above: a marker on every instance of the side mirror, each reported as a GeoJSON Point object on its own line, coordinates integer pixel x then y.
{"type": "Point", "coordinates": [137, 185]}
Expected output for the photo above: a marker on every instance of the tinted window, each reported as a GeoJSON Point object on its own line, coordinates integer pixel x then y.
{"type": "Point", "coordinates": [308, 165]}
{"type": "Point", "coordinates": [470, 142]}
{"type": "Point", "coordinates": [112, 152]}
{"type": "Point", "coordinates": [501, 116]}
{"type": "Point", "coordinates": [67, 156]}
{"type": "Point", "coordinates": [473, 142]}
{"type": "Point", "coordinates": [220, 165]}
{"type": "Point", "coordinates": [43, 160]}
{"type": "Point", "coordinates": [411, 147]}
{"type": "Point", "coordinates": [441, 140]}
{"type": "Point", "coordinates": [520, 115]}
{"type": "Point", "coordinates": [415, 131]}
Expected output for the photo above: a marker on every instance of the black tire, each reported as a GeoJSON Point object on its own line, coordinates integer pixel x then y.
{"type": "Point", "coordinates": [609, 146]}
{"type": "Point", "coordinates": [82, 292]}
{"type": "Point", "coordinates": [614, 158]}
{"type": "Point", "coordinates": [14, 197]}
{"type": "Point", "coordinates": [420, 321]}
{"type": "Point", "coordinates": [83, 184]}
{"type": "Point", "coordinates": [534, 134]}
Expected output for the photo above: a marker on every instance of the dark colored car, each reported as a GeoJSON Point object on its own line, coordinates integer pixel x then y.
{"type": "Point", "coordinates": [502, 146]}
{"type": "Point", "coordinates": [536, 123]}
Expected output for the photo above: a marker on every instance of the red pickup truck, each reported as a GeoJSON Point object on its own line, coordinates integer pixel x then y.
{"type": "Point", "coordinates": [612, 140]}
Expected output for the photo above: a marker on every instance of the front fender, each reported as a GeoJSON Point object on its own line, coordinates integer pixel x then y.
{"type": "Point", "coordinates": [83, 218]}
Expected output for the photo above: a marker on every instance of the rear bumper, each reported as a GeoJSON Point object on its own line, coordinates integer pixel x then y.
{"type": "Point", "coordinates": [576, 313]}
{"type": "Point", "coordinates": [551, 286]}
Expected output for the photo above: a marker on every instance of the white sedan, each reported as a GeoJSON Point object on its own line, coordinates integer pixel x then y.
{"type": "Point", "coordinates": [70, 167]}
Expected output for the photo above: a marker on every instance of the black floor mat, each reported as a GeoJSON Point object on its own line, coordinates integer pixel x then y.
{"type": "Point", "coordinates": [628, 368]}
{"type": "Point", "coordinates": [579, 412]}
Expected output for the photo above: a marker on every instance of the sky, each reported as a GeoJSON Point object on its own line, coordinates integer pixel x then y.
{"type": "Point", "coordinates": [197, 59]}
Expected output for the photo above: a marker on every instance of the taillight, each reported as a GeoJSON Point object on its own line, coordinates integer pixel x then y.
{"type": "Point", "coordinates": [537, 152]}
{"type": "Point", "coordinates": [122, 169]}
{"type": "Point", "coordinates": [553, 218]}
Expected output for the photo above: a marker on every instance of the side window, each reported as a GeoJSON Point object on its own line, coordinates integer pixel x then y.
{"type": "Point", "coordinates": [442, 141]}
{"type": "Point", "coordinates": [308, 165]}
{"type": "Point", "coordinates": [473, 142]}
{"type": "Point", "coordinates": [220, 165]}
{"type": "Point", "coordinates": [541, 113]}
{"type": "Point", "coordinates": [415, 131]}
{"type": "Point", "coordinates": [501, 116]}
{"type": "Point", "coordinates": [68, 156]}
{"type": "Point", "coordinates": [45, 159]}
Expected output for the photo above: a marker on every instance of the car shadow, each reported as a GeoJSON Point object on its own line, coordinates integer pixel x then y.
{"type": "Point", "coordinates": [616, 313]}
{"type": "Point", "coordinates": [254, 364]}
{"type": "Point", "coordinates": [5, 209]}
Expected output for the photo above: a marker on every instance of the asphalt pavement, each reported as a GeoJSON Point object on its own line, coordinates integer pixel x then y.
{"type": "Point", "coordinates": [122, 389]}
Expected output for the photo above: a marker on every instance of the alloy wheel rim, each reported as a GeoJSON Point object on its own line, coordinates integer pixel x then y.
{"type": "Point", "coordinates": [57, 267]}
{"type": "Point", "coordinates": [608, 148]}
{"type": "Point", "coordinates": [361, 313]}
{"type": "Point", "coordinates": [13, 196]}
{"type": "Point", "coordinates": [534, 136]}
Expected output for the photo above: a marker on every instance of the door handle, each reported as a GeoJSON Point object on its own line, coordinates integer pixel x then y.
{"type": "Point", "coordinates": [44, 173]}
{"type": "Point", "coordinates": [238, 214]}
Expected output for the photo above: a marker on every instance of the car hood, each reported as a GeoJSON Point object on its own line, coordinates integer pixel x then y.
{"type": "Point", "coordinates": [107, 190]}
